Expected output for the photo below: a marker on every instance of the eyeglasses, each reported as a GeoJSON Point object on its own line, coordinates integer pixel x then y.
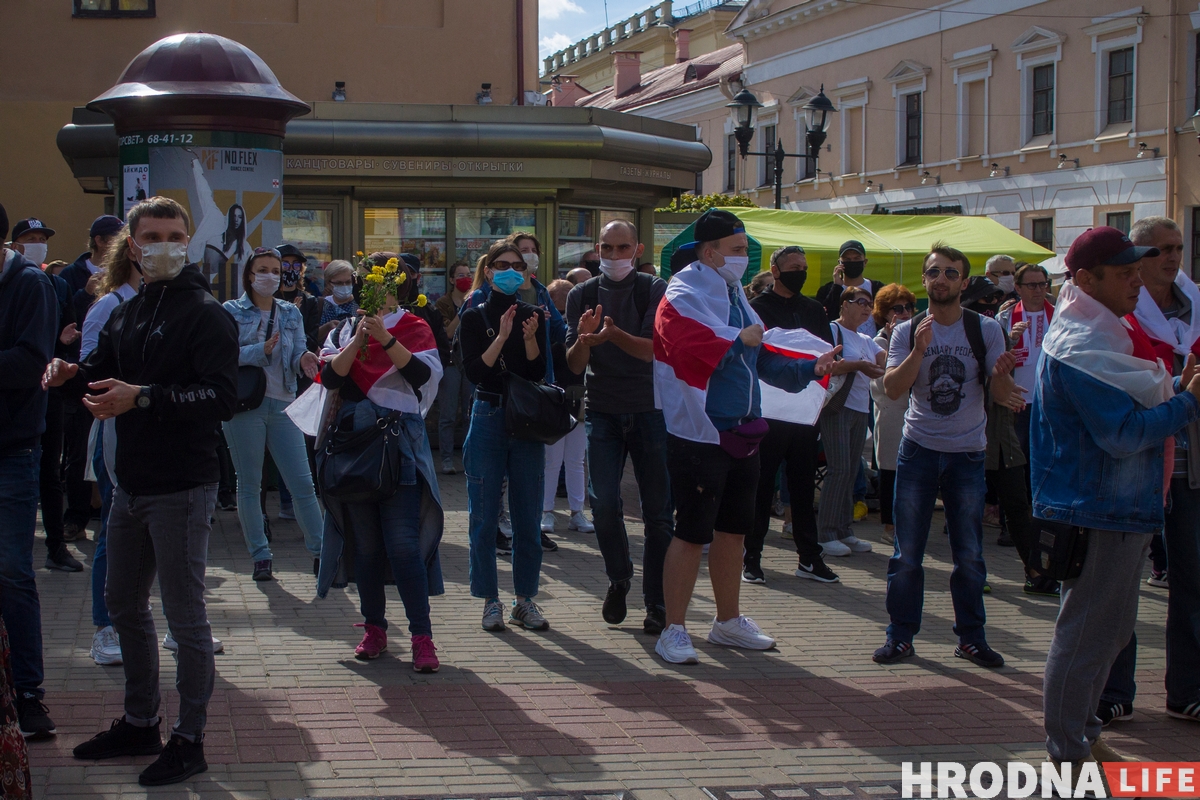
{"type": "Point", "coordinates": [862, 301]}
{"type": "Point", "coordinates": [951, 273]}
{"type": "Point", "coordinates": [519, 266]}
{"type": "Point", "coordinates": [900, 309]}
{"type": "Point", "coordinates": [1035, 285]}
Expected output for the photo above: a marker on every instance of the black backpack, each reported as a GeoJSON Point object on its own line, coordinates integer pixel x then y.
{"type": "Point", "coordinates": [972, 326]}
{"type": "Point", "coordinates": [642, 283]}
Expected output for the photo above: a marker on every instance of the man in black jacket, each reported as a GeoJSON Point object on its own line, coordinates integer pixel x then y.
{"type": "Point", "coordinates": [852, 260]}
{"type": "Point", "coordinates": [28, 326]}
{"type": "Point", "coordinates": [785, 307]}
{"type": "Point", "coordinates": [166, 368]}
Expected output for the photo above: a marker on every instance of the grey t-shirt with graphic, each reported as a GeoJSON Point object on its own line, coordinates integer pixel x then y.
{"type": "Point", "coordinates": [946, 407]}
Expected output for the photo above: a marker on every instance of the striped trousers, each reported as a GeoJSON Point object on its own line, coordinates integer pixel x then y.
{"type": "Point", "coordinates": [843, 434]}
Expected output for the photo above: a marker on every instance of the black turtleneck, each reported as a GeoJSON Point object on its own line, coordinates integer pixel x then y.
{"type": "Point", "coordinates": [473, 334]}
{"type": "Point", "coordinates": [792, 312]}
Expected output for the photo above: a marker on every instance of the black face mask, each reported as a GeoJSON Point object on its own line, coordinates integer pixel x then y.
{"type": "Point", "coordinates": [854, 269]}
{"type": "Point", "coordinates": [793, 281]}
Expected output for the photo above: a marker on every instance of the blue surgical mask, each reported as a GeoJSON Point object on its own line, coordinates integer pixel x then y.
{"type": "Point", "coordinates": [343, 292]}
{"type": "Point", "coordinates": [507, 281]}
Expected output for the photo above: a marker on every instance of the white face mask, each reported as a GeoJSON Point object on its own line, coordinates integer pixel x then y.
{"type": "Point", "coordinates": [162, 261]}
{"type": "Point", "coordinates": [1007, 282]}
{"type": "Point", "coordinates": [35, 252]}
{"type": "Point", "coordinates": [265, 283]}
{"type": "Point", "coordinates": [734, 269]}
{"type": "Point", "coordinates": [616, 268]}
{"type": "Point", "coordinates": [531, 260]}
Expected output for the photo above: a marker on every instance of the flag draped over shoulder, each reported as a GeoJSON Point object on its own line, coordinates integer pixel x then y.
{"type": "Point", "coordinates": [1182, 337]}
{"type": "Point", "coordinates": [692, 334]}
{"type": "Point", "coordinates": [378, 378]}
{"type": "Point", "coordinates": [805, 407]}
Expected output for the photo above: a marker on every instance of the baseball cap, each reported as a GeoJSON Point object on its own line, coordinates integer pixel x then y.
{"type": "Point", "coordinates": [105, 225]}
{"type": "Point", "coordinates": [716, 224]}
{"type": "Point", "coordinates": [411, 260]}
{"type": "Point", "coordinates": [31, 224]}
{"type": "Point", "coordinates": [293, 251]}
{"type": "Point", "coordinates": [1104, 246]}
{"type": "Point", "coordinates": [853, 244]}
{"type": "Point", "coordinates": [3, 223]}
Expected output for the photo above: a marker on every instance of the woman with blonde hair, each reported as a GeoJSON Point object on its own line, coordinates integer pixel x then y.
{"type": "Point", "coordinates": [894, 304]}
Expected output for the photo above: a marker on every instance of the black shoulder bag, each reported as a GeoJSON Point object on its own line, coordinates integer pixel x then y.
{"type": "Point", "coordinates": [361, 466]}
{"type": "Point", "coordinates": [537, 412]}
{"type": "Point", "coordinates": [252, 380]}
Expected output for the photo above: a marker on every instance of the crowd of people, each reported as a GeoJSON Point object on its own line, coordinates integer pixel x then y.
{"type": "Point", "coordinates": [1064, 422]}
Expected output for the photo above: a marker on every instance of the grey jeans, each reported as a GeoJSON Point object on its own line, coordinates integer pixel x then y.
{"type": "Point", "coordinates": [843, 434]}
{"type": "Point", "coordinates": [454, 403]}
{"type": "Point", "coordinates": [1095, 621]}
{"type": "Point", "coordinates": [167, 535]}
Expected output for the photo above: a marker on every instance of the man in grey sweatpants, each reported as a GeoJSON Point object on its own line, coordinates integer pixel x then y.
{"type": "Point", "coordinates": [1098, 432]}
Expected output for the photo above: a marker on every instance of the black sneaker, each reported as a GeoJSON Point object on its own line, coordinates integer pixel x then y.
{"type": "Point", "coordinates": [816, 571]}
{"type": "Point", "coordinates": [892, 652]}
{"type": "Point", "coordinates": [1114, 712]}
{"type": "Point", "coordinates": [226, 501]}
{"type": "Point", "coordinates": [74, 532]}
{"type": "Point", "coordinates": [752, 573]}
{"type": "Point", "coordinates": [179, 761]}
{"type": "Point", "coordinates": [656, 620]}
{"type": "Point", "coordinates": [1043, 586]}
{"type": "Point", "coordinates": [262, 570]}
{"type": "Point", "coordinates": [121, 739]}
{"type": "Point", "coordinates": [60, 558]}
{"type": "Point", "coordinates": [1191, 711]}
{"type": "Point", "coordinates": [317, 567]}
{"type": "Point", "coordinates": [548, 544]}
{"type": "Point", "coordinates": [614, 609]}
{"type": "Point", "coordinates": [34, 717]}
{"type": "Point", "coordinates": [1005, 540]}
{"type": "Point", "coordinates": [503, 544]}
{"type": "Point", "coordinates": [980, 654]}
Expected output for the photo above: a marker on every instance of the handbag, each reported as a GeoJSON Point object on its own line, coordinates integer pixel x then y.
{"type": "Point", "coordinates": [743, 441]}
{"type": "Point", "coordinates": [252, 380]}
{"type": "Point", "coordinates": [1060, 549]}
{"type": "Point", "coordinates": [836, 400]}
{"type": "Point", "coordinates": [361, 466]}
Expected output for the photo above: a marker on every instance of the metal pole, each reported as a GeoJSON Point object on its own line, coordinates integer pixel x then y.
{"type": "Point", "coordinates": [779, 156]}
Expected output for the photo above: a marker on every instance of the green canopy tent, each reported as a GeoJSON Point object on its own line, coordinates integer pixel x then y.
{"type": "Point", "coordinates": [896, 244]}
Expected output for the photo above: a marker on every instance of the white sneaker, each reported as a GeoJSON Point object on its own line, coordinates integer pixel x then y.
{"type": "Point", "coordinates": [547, 522]}
{"type": "Point", "coordinates": [675, 646]}
{"type": "Point", "coordinates": [741, 631]}
{"type": "Point", "coordinates": [169, 643]}
{"type": "Point", "coordinates": [106, 647]}
{"type": "Point", "coordinates": [835, 548]}
{"type": "Point", "coordinates": [505, 524]}
{"type": "Point", "coordinates": [857, 545]}
{"type": "Point", "coordinates": [580, 523]}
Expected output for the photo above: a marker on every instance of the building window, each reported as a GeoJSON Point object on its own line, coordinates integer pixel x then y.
{"type": "Point", "coordinates": [1120, 85]}
{"type": "Point", "coordinates": [766, 167]}
{"type": "Point", "coordinates": [418, 231]}
{"type": "Point", "coordinates": [1043, 100]}
{"type": "Point", "coordinates": [1196, 74]}
{"type": "Point", "coordinates": [311, 230]}
{"type": "Point", "coordinates": [731, 163]}
{"type": "Point", "coordinates": [1119, 220]}
{"type": "Point", "coordinates": [113, 8]}
{"type": "Point", "coordinates": [699, 183]}
{"type": "Point", "coordinates": [912, 128]}
{"type": "Point", "coordinates": [1043, 232]}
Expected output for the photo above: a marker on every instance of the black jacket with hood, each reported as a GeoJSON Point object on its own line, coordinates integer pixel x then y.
{"type": "Point", "coordinates": [177, 339]}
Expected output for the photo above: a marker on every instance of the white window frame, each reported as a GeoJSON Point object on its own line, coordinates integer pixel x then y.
{"type": "Point", "coordinates": [908, 77]}
{"type": "Point", "coordinates": [972, 66]}
{"type": "Point", "coordinates": [851, 94]}
{"type": "Point", "coordinates": [1130, 20]}
{"type": "Point", "coordinates": [1037, 47]}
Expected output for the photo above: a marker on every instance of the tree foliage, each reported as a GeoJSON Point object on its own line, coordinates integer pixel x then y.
{"type": "Point", "coordinates": [700, 203]}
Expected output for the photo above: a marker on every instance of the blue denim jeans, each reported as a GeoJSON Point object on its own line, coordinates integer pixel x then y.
{"type": "Point", "coordinates": [18, 589]}
{"type": "Point", "coordinates": [454, 396]}
{"type": "Point", "coordinates": [488, 454]}
{"type": "Point", "coordinates": [100, 616]}
{"type": "Point", "coordinates": [391, 530]}
{"type": "Point", "coordinates": [920, 473]}
{"type": "Point", "coordinates": [249, 434]}
{"type": "Point", "coordinates": [643, 437]}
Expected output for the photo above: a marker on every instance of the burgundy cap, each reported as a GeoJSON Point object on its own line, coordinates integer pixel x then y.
{"type": "Point", "coordinates": [1104, 246]}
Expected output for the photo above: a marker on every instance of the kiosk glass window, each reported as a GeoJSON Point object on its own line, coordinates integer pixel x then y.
{"type": "Point", "coordinates": [420, 231]}
{"type": "Point", "coordinates": [476, 228]}
{"type": "Point", "coordinates": [311, 230]}
{"type": "Point", "coordinates": [576, 235]}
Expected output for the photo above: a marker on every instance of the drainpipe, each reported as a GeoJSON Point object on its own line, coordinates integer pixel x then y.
{"type": "Point", "coordinates": [520, 52]}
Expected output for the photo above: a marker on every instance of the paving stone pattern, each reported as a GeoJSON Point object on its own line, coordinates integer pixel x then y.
{"type": "Point", "coordinates": [584, 707]}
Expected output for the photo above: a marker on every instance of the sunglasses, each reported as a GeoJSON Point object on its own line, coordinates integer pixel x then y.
{"type": "Point", "coordinates": [519, 266]}
{"type": "Point", "coordinates": [900, 309]}
{"type": "Point", "coordinates": [862, 301]}
{"type": "Point", "coordinates": [951, 273]}
{"type": "Point", "coordinates": [1035, 285]}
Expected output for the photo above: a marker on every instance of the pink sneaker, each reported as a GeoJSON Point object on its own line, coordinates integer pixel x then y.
{"type": "Point", "coordinates": [373, 644]}
{"type": "Point", "coordinates": [424, 659]}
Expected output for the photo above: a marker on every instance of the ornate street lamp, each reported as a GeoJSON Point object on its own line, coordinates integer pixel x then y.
{"type": "Point", "coordinates": [818, 113]}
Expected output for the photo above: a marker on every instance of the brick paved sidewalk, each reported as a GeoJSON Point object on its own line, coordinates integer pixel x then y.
{"type": "Point", "coordinates": [584, 706]}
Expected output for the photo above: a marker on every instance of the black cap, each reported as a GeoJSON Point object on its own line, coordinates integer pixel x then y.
{"type": "Point", "coordinates": [292, 250]}
{"type": "Point", "coordinates": [105, 225]}
{"type": "Point", "coordinates": [411, 260]}
{"type": "Point", "coordinates": [716, 224]}
{"type": "Point", "coordinates": [31, 224]}
{"type": "Point", "coordinates": [3, 223]}
{"type": "Point", "coordinates": [853, 244]}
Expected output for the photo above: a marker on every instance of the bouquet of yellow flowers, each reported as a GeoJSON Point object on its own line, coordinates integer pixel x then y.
{"type": "Point", "coordinates": [379, 282]}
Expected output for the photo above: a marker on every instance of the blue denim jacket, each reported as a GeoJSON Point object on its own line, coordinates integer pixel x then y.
{"type": "Point", "coordinates": [292, 341]}
{"type": "Point", "coordinates": [1096, 456]}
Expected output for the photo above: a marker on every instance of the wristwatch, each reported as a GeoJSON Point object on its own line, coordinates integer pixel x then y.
{"type": "Point", "coordinates": [144, 399]}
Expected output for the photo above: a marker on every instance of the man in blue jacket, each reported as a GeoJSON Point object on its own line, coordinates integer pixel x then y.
{"type": "Point", "coordinates": [1103, 412]}
{"type": "Point", "coordinates": [28, 326]}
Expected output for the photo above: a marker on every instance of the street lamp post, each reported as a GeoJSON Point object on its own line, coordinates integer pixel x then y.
{"type": "Point", "coordinates": [818, 113]}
